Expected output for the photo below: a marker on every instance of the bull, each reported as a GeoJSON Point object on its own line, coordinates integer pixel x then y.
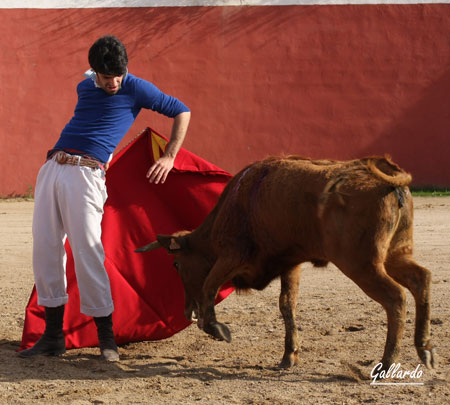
{"type": "Point", "coordinates": [280, 212]}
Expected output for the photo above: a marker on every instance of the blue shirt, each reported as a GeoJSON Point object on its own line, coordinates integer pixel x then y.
{"type": "Point", "coordinates": [101, 120]}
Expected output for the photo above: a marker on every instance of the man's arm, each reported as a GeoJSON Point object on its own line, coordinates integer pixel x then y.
{"type": "Point", "coordinates": [160, 169]}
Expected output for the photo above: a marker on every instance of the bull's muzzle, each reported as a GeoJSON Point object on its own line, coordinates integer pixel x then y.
{"type": "Point", "coordinates": [191, 312]}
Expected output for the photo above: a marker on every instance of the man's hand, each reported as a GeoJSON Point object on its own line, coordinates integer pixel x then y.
{"type": "Point", "coordinates": [160, 169]}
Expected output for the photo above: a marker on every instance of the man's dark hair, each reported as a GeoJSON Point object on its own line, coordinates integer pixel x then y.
{"type": "Point", "coordinates": [108, 56]}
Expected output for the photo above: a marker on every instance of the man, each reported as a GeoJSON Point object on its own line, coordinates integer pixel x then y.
{"type": "Point", "coordinates": [70, 191]}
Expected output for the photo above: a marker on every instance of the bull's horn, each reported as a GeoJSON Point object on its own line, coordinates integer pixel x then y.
{"type": "Point", "coordinates": [151, 246]}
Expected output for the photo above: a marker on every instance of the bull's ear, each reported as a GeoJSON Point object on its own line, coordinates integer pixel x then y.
{"type": "Point", "coordinates": [171, 243]}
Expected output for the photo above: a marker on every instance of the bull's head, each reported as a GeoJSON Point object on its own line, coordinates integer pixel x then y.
{"type": "Point", "coordinates": [191, 265]}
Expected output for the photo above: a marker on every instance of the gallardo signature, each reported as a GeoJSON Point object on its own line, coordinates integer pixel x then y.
{"type": "Point", "coordinates": [395, 371]}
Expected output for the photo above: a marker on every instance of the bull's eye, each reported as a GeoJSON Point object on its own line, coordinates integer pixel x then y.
{"type": "Point", "coordinates": [175, 264]}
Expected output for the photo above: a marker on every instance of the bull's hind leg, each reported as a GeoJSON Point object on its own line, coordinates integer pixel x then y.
{"type": "Point", "coordinates": [416, 279]}
{"type": "Point", "coordinates": [290, 281]}
{"type": "Point", "coordinates": [374, 281]}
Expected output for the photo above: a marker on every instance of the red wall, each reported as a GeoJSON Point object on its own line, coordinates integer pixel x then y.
{"type": "Point", "coordinates": [321, 81]}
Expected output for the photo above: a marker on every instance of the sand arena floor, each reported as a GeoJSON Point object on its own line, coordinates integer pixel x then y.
{"type": "Point", "coordinates": [342, 335]}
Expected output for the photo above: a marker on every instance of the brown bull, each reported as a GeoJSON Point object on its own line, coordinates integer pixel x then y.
{"type": "Point", "coordinates": [280, 212]}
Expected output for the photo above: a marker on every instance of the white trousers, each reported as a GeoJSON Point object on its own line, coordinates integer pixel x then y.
{"type": "Point", "coordinates": [69, 203]}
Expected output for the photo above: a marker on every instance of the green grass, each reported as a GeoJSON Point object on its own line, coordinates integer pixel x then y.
{"type": "Point", "coordinates": [430, 192]}
{"type": "Point", "coordinates": [415, 191]}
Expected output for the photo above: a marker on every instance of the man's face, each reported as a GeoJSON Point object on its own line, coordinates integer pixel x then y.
{"type": "Point", "coordinates": [110, 83]}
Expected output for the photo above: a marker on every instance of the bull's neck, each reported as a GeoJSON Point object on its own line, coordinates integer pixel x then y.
{"type": "Point", "coordinates": [201, 237]}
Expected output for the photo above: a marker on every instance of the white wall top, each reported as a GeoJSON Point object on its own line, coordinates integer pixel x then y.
{"type": "Point", "coordinates": [47, 4]}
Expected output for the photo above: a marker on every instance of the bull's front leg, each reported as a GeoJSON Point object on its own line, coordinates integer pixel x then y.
{"type": "Point", "coordinates": [290, 281]}
{"type": "Point", "coordinates": [219, 275]}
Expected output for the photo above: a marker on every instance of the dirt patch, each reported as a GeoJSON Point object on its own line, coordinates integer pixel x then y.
{"type": "Point", "coordinates": [342, 335]}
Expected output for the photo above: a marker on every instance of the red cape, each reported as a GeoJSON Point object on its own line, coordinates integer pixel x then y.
{"type": "Point", "coordinates": [147, 292]}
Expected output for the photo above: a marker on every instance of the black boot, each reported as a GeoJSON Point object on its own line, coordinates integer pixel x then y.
{"type": "Point", "coordinates": [108, 347]}
{"type": "Point", "coordinates": [52, 342]}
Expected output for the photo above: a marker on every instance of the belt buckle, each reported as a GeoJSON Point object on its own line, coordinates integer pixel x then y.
{"type": "Point", "coordinates": [61, 157]}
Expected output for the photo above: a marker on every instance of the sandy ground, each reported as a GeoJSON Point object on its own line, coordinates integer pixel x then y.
{"type": "Point", "coordinates": [342, 338]}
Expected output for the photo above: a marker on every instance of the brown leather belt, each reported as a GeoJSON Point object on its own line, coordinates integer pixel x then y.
{"type": "Point", "coordinates": [75, 160]}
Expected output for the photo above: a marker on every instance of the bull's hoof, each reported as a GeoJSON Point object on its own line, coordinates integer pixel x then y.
{"type": "Point", "coordinates": [289, 360]}
{"type": "Point", "coordinates": [428, 357]}
{"type": "Point", "coordinates": [383, 366]}
{"type": "Point", "coordinates": [218, 331]}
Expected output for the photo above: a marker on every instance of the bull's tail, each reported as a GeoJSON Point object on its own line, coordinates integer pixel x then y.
{"type": "Point", "coordinates": [332, 188]}
{"type": "Point", "coordinates": [385, 169]}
